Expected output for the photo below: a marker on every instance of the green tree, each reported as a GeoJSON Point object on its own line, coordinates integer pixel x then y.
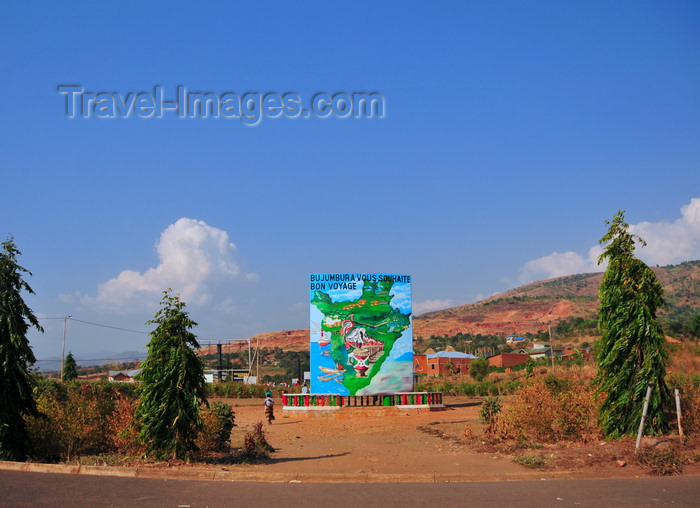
{"type": "Point", "coordinates": [632, 349]}
{"type": "Point", "coordinates": [479, 369]}
{"type": "Point", "coordinates": [70, 368]}
{"type": "Point", "coordinates": [173, 386]}
{"type": "Point", "coordinates": [529, 367]}
{"type": "Point", "coordinates": [694, 327]}
{"type": "Point", "coordinates": [16, 356]}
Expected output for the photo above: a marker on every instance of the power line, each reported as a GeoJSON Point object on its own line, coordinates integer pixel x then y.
{"type": "Point", "coordinates": [98, 324]}
{"type": "Point", "coordinates": [200, 340]}
{"type": "Point", "coordinates": [114, 358]}
{"type": "Point", "coordinates": [108, 326]}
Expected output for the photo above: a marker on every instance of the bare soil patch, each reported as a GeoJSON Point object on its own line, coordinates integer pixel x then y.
{"type": "Point", "coordinates": [394, 441]}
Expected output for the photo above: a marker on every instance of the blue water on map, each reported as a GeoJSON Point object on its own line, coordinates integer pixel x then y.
{"type": "Point", "coordinates": [332, 386]}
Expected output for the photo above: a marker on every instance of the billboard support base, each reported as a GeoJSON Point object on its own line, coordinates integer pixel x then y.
{"type": "Point", "coordinates": [325, 402]}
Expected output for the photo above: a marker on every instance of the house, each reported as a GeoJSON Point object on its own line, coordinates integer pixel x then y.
{"type": "Point", "coordinates": [508, 359]}
{"type": "Point", "coordinates": [123, 376]}
{"type": "Point", "coordinates": [445, 363]}
{"type": "Point", "coordinates": [514, 339]}
{"type": "Point", "coordinates": [537, 352]}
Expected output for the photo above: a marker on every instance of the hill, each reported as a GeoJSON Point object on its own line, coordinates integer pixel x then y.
{"type": "Point", "coordinates": [530, 308]}
{"type": "Point", "coordinates": [287, 340]}
{"type": "Point", "coordinates": [526, 309]}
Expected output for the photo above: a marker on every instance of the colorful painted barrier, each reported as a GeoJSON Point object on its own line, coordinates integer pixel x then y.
{"type": "Point", "coordinates": [405, 399]}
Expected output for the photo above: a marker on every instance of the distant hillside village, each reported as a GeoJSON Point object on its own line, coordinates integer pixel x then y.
{"type": "Point", "coordinates": [508, 329]}
{"type": "Point", "coordinates": [447, 362]}
{"type": "Point", "coordinates": [451, 362]}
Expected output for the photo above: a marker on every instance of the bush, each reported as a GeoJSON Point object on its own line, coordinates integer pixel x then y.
{"type": "Point", "coordinates": [465, 389]}
{"type": "Point", "coordinates": [689, 387]}
{"type": "Point", "coordinates": [483, 388]}
{"type": "Point", "coordinates": [488, 388]}
{"type": "Point", "coordinates": [424, 387]}
{"type": "Point", "coordinates": [236, 390]}
{"type": "Point", "coordinates": [123, 427]}
{"type": "Point", "coordinates": [255, 445]}
{"type": "Point", "coordinates": [550, 409]}
{"type": "Point", "coordinates": [218, 423]}
{"type": "Point", "coordinates": [489, 410]}
{"type": "Point", "coordinates": [661, 462]}
{"type": "Point", "coordinates": [479, 369]}
{"type": "Point", "coordinates": [531, 461]}
{"type": "Point", "coordinates": [73, 420]}
{"type": "Point", "coordinates": [448, 388]}
{"type": "Point", "coordinates": [508, 386]}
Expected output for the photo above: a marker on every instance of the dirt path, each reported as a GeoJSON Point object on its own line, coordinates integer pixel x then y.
{"type": "Point", "coordinates": [409, 442]}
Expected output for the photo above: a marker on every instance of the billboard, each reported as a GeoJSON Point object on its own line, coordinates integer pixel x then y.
{"type": "Point", "coordinates": [361, 336]}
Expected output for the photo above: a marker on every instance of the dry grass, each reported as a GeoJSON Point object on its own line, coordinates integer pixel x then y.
{"type": "Point", "coordinates": [550, 409]}
{"type": "Point", "coordinates": [684, 358]}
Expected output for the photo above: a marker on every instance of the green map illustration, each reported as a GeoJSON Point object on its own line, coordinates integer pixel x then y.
{"type": "Point", "coordinates": [362, 331]}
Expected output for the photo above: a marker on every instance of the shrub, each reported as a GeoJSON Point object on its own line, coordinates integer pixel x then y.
{"type": "Point", "coordinates": [465, 389]}
{"type": "Point", "coordinates": [479, 369]}
{"type": "Point", "coordinates": [550, 409]}
{"type": "Point", "coordinates": [689, 387]}
{"type": "Point", "coordinates": [73, 420]}
{"type": "Point", "coordinates": [54, 387]}
{"type": "Point", "coordinates": [255, 445]}
{"type": "Point", "coordinates": [483, 388]}
{"type": "Point", "coordinates": [661, 462]}
{"type": "Point", "coordinates": [123, 428]}
{"type": "Point", "coordinates": [128, 391]}
{"type": "Point", "coordinates": [531, 461]}
{"type": "Point", "coordinates": [236, 390]}
{"type": "Point", "coordinates": [423, 387]}
{"type": "Point", "coordinates": [529, 367]}
{"type": "Point", "coordinates": [489, 410]}
{"type": "Point", "coordinates": [508, 386]}
{"type": "Point", "coordinates": [80, 418]}
{"type": "Point", "coordinates": [218, 423]}
{"type": "Point", "coordinates": [488, 388]}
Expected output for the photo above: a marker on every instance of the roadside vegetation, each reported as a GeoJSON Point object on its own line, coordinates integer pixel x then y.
{"type": "Point", "coordinates": [173, 415]}
{"type": "Point", "coordinates": [79, 420]}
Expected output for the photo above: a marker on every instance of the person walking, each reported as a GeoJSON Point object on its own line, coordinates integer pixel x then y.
{"type": "Point", "coordinates": [269, 407]}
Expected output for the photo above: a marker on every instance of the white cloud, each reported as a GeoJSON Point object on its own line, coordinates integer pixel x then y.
{"type": "Point", "coordinates": [429, 305]}
{"type": "Point", "coordinates": [559, 264]}
{"type": "Point", "coordinates": [196, 260]}
{"type": "Point", "coordinates": [667, 243]}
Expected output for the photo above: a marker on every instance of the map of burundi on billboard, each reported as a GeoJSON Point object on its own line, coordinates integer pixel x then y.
{"type": "Point", "coordinates": [361, 334]}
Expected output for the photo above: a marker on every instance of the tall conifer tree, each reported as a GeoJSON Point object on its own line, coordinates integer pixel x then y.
{"type": "Point", "coordinates": [16, 356]}
{"type": "Point", "coordinates": [70, 368]}
{"type": "Point", "coordinates": [173, 385]}
{"type": "Point", "coordinates": [632, 349]}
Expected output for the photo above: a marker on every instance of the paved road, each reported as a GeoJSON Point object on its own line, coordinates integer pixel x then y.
{"type": "Point", "coordinates": [20, 489]}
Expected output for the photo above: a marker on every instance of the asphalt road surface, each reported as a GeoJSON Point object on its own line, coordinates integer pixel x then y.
{"type": "Point", "coordinates": [19, 489]}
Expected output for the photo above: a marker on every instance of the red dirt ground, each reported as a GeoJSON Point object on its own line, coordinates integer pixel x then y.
{"type": "Point", "coordinates": [392, 441]}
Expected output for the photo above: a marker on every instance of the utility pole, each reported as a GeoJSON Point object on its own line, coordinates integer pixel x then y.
{"type": "Point", "coordinates": [63, 350]}
{"type": "Point", "coordinates": [299, 367]}
{"type": "Point", "coordinates": [551, 345]}
{"type": "Point", "coordinates": [218, 349]}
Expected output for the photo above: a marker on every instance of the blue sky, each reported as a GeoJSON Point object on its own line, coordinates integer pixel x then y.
{"type": "Point", "coordinates": [511, 132]}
